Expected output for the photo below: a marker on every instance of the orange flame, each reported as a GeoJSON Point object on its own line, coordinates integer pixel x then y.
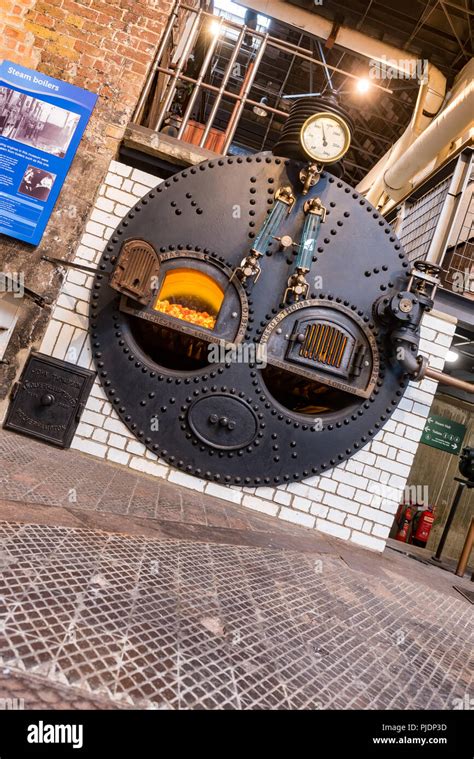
{"type": "Point", "coordinates": [201, 318]}
{"type": "Point", "coordinates": [190, 295]}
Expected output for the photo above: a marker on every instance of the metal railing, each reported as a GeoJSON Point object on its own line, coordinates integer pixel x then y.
{"type": "Point", "coordinates": [459, 259]}
{"type": "Point", "coordinates": [174, 72]}
{"type": "Point", "coordinates": [420, 220]}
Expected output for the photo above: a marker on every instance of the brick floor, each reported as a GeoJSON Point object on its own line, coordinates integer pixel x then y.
{"type": "Point", "coordinates": [35, 473]}
{"type": "Point", "coordinates": [137, 595]}
{"type": "Point", "coordinates": [28, 691]}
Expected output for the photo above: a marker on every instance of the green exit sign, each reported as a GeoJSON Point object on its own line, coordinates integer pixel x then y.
{"type": "Point", "coordinates": [444, 434]}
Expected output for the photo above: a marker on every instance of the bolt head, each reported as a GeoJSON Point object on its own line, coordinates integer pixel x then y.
{"type": "Point", "coordinates": [406, 305]}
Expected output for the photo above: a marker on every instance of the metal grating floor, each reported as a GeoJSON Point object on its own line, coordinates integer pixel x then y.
{"type": "Point", "coordinates": [173, 624]}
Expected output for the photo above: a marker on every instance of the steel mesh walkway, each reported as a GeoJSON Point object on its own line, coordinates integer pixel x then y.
{"type": "Point", "coordinates": [178, 624]}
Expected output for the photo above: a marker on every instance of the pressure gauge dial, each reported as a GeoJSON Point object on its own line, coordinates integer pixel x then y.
{"type": "Point", "coordinates": [325, 137]}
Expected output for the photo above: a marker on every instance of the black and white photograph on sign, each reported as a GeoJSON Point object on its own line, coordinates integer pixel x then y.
{"type": "Point", "coordinates": [33, 122]}
{"type": "Point", "coordinates": [36, 183]}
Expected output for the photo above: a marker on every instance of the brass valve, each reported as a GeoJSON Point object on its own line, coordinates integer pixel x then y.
{"type": "Point", "coordinates": [249, 267]}
{"type": "Point", "coordinates": [297, 285]}
{"type": "Point", "coordinates": [309, 176]}
{"type": "Point", "coordinates": [315, 207]}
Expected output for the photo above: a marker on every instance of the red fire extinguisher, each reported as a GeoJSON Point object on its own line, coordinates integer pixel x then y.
{"type": "Point", "coordinates": [422, 527]}
{"type": "Point", "coordinates": [406, 517]}
{"type": "Point", "coordinates": [399, 513]}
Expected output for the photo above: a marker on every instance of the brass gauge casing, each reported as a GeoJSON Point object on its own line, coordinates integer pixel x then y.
{"type": "Point", "coordinates": [318, 155]}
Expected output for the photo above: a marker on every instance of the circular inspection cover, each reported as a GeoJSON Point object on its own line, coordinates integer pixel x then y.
{"type": "Point", "coordinates": [224, 422]}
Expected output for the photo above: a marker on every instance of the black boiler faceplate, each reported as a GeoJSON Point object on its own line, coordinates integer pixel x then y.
{"type": "Point", "coordinates": [237, 422]}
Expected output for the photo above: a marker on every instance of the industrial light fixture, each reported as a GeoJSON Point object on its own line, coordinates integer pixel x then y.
{"type": "Point", "coordinates": [215, 28]}
{"type": "Point", "coordinates": [363, 85]}
{"type": "Point", "coordinates": [261, 111]}
{"type": "Point", "coordinates": [451, 356]}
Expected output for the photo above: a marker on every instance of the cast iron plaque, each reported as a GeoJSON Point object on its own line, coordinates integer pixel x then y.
{"type": "Point", "coordinates": [49, 399]}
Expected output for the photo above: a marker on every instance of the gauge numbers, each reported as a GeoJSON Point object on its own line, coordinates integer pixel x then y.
{"type": "Point", "coordinates": [325, 137]}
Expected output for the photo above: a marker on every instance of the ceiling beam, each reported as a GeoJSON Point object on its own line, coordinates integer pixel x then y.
{"type": "Point", "coordinates": [459, 8]}
{"type": "Point", "coordinates": [454, 30]}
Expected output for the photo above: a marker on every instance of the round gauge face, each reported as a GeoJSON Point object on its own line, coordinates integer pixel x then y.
{"type": "Point", "coordinates": [325, 137]}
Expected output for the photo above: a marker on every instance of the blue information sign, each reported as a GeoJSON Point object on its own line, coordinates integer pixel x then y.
{"type": "Point", "coordinates": [42, 121]}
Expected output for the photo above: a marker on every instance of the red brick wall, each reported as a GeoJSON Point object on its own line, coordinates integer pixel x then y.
{"type": "Point", "coordinates": [16, 42]}
{"type": "Point", "coordinates": [85, 42]}
{"type": "Point", "coordinates": [105, 46]}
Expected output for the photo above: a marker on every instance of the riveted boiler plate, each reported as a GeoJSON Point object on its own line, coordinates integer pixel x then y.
{"type": "Point", "coordinates": [286, 422]}
{"type": "Point", "coordinates": [223, 422]}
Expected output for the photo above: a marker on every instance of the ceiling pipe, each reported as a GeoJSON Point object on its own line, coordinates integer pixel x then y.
{"type": "Point", "coordinates": [431, 94]}
{"type": "Point", "coordinates": [344, 36]}
{"type": "Point", "coordinates": [452, 121]}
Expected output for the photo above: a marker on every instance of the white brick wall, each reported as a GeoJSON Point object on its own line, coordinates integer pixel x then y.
{"type": "Point", "coordinates": [354, 501]}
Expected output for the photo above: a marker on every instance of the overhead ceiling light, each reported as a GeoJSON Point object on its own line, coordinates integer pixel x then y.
{"type": "Point", "coordinates": [363, 85]}
{"type": "Point", "coordinates": [261, 111]}
{"type": "Point", "coordinates": [215, 28]}
{"type": "Point", "coordinates": [451, 357]}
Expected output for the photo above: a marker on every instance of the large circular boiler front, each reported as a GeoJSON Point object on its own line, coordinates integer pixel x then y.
{"type": "Point", "coordinates": [222, 378]}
